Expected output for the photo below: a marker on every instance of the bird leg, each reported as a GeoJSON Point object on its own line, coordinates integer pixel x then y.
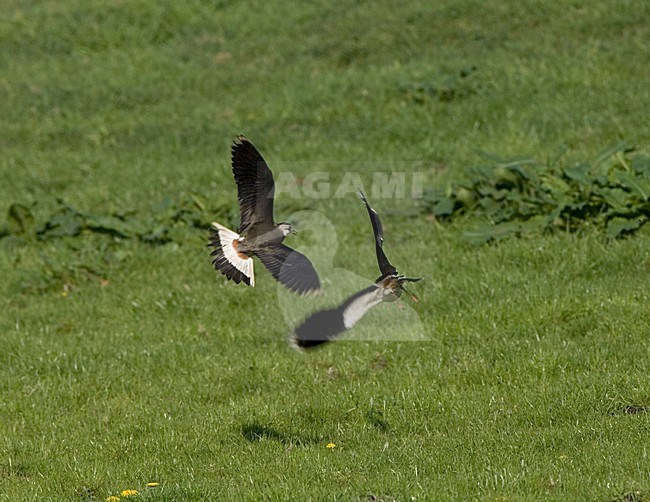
{"type": "Point", "coordinates": [414, 298]}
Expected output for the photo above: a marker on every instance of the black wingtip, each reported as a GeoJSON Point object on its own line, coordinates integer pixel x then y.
{"type": "Point", "coordinates": [366, 203]}
{"type": "Point", "coordinates": [307, 293]}
{"type": "Point", "coordinates": [290, 268]}
{"type": "Point", "coordinates": [319, 328]}
{"type": "Point", "coordinates": [302, 345]}
{"type": "Point", "coordinates": [304, 290]}
{"type": "Point", "coordinates": [306, 286]}
{"type": "Point", "coordinates": [240, 141]}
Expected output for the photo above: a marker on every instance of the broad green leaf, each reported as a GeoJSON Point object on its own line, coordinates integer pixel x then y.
{"type": "Point", "coordinates": [644, 208]}
{"type": "Point", "coordinates": [553, 217]}
{"type": "Point", "coordinates": [602, 180]}
{"type": "Point", "coordinates": [489, 205]}
{"type": "Point", "coordinates": [444, 207]}
{"type": "Point", "coordinates": [111, 225]}
{"type": "Point", "coordinates": [63, 224]}
{"type": "Point", "coordinates": [637, 185]}
{"type": "Point", "coordinates": [158, 235]}
{"type": "Point", "coordinates": [525, 172]}
{"type": "Point", "coordinates": [526, 209]}
{"type": "Point", "coordinates": [20, 219]}
{"type": "Point", "coordinates": [555, 185]}
{"type": "Point", "coordinates": [542, 198]}
{"type": "Point", "coordinates": [616, 226]}
{"type": "Point", "coordinates": [579, 173]}
{"type": "Point", "coordinates": [500, 194]}
{"type": "Point", "coordinates": [537, 196]}
{"type": "Point", "coordinates": [432, 195]}
{"type": "Point", "coordinates": [466, 197]}
{"type": "Point", "coordinates": [557, 189]}
{"type": "Point", "coordinates": [503, 176]}
{"type": "Point", "coordinates": [534, 225]}
{"type": "Point", "coordinates": [641, 165]}
{"type": "Point", "coordinates": [616, 198]}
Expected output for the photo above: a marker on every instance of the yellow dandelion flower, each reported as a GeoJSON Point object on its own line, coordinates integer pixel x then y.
{"type": "Point", "coordinates": [129, 493]}
{"type": "Point", "coordinates": [153, 484]}
{"type": "Point", "coordinates": [331, 445]}
{"type": "Point", "coordinates": [112, 498]}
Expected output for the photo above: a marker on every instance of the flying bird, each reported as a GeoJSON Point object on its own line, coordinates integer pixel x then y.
{"type": "Point", "coordinates": [258, 235]}
{"type": "Point", "coordinates": [325, 325]}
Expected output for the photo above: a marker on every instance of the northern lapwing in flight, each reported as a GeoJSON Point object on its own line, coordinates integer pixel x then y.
{"type": "Point", "coordinates": [325, 325]}
{"type": "Point", "coordinates": [258, 235]}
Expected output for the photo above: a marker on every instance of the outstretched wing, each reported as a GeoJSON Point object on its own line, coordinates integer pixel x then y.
{"type": "Point", "coordinates": [290, 268]}
{"type": "Point", "coordinates": [325, 325]}
{"type": "Point", "coordinates": [255, 187]}
{"type": "Point", "coordinates": [226, 258]}
{"type": "Point", "coordinates": [384, 265]}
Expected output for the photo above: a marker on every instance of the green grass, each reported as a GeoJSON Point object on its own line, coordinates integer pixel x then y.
{"type": "Point", "coordinates": [123, 363]}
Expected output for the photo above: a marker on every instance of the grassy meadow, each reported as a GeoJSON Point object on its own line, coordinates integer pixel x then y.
{"type": "Point", "coordinates": [522, 374]}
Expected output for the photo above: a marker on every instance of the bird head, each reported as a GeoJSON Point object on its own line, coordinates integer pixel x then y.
{"type": "Point", "coordinates": [394, 286]}
{"type": "Point", "coordinates": [286, 229]}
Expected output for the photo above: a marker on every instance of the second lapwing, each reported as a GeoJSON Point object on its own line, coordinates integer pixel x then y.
{"type": "Point", "coordinates": [325, 325]}
{"type": "Point", "coordinates": [258, 234]}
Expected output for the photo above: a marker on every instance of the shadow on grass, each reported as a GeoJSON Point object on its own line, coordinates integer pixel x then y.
{"type": "Point", "coordinates": [634, 496]}
{"type": "Point", "coordinates": [86, 493]}
{"type": "Point", "coordinates": [376, 419]}
{"type": "Point", "coordinates": [630, 409]}
{"type": "Point", "coordinates": [255, 432]}
{"type": "Point", "coordinates": [14, 471]}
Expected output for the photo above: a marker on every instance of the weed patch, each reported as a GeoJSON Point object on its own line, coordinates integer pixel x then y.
{"type": "Point", "coordinates": [526, 196]}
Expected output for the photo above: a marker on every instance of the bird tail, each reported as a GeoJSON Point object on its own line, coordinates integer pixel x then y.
{"type": "Point", "coordinates": [227, 259]}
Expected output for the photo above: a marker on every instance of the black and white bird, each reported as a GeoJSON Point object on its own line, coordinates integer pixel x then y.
{"type": "Point", "coordinates": [258, 235]}
{"type": "Point", "coordinates": [325, 325]}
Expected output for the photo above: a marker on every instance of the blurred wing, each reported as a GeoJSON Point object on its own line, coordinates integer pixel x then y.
{"type": "Point", "coordinates": [325, 325]}
{"type": "Point", "coordinates": [255, 187]}
{"type": "Point", "coordinates": [384, 265]}
{"type": "Point", "coordinates": [290, 268]}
